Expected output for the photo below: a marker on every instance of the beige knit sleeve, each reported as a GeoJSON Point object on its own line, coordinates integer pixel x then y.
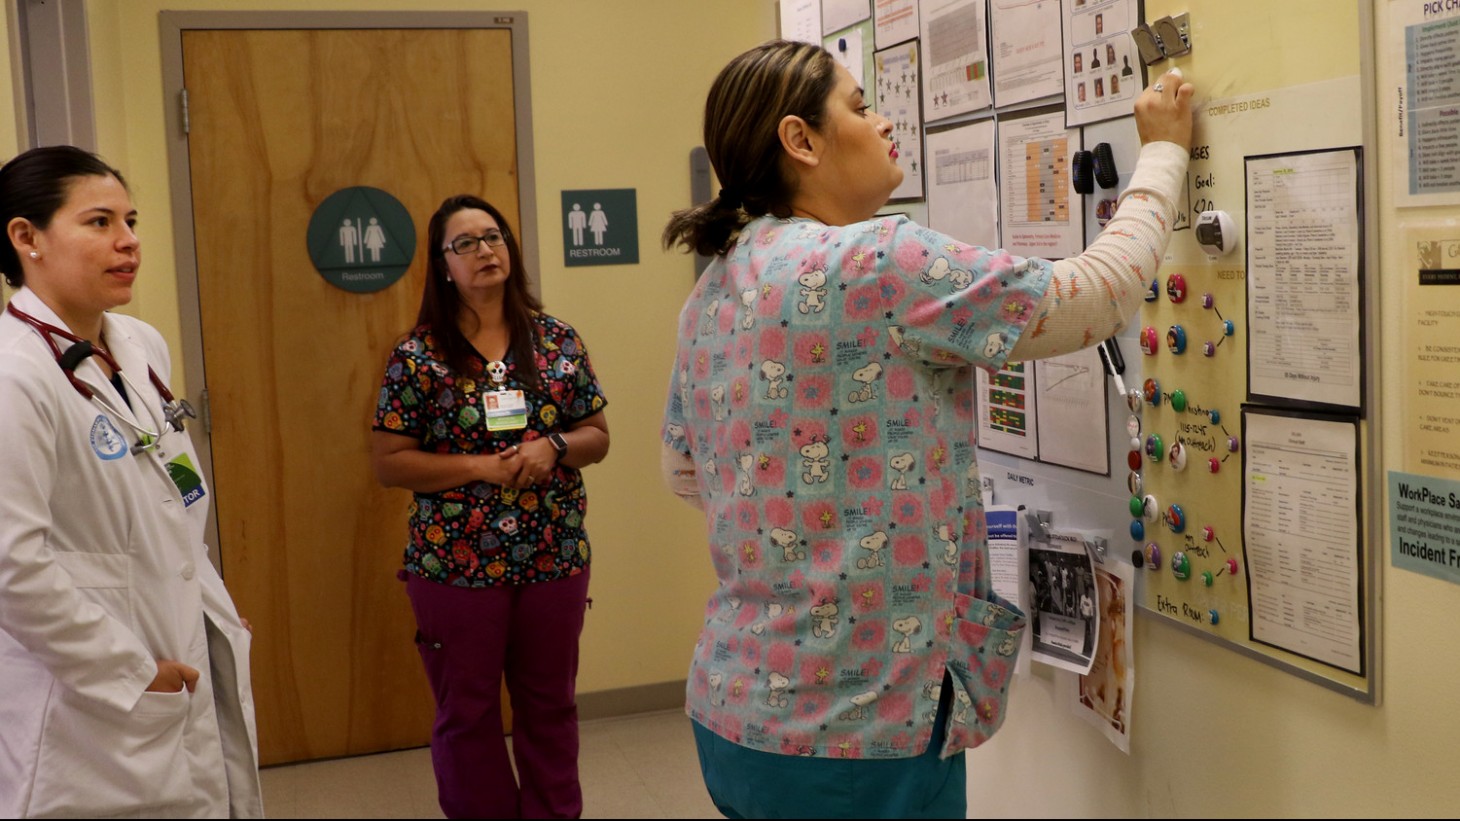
{"type": "Point", "coordinates": [1091, 296]}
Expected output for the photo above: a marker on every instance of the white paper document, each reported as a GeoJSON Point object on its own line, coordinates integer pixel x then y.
{"type": "Point", "coordinates": [1303, 278]}
{"type": "Point", "coordinates": [838, 14]}
{"type": "Point", "coordinates": [801, 20]}
{"type": "Point", "coordinates": [1300, 527]}
{"type": "Point", "coordinates": [1009, 566]}
{"type": "Point", "coordinates": [1005, 407]}
{"type": "Point", "coordinates": [895, 21]}
{"type": "Point", "coordinates": [963, 194]}
{"type": "Point", "coordinates": [1426, 118]}
{"type": "Point", "coordinates": [1102, 66]}
{"type": "Point", "coordinates": [1026, 50]}
{"type": "Point", "coordinates": [1064, 618]}
{"type": "Point", "coordinates": [897, 100]}
{"type": "Point", "coordinates": [1103, 696]}
{"type": "Point", "coordinates": [1039, 212]}
{"type": "Point", "coordinates": [1073, 418]}
{"type": "Point", "coordinates": [955, 57]}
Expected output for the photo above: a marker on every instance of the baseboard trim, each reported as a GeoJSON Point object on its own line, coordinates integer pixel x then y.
{"type": "Point", "coordinates": [624, 701]}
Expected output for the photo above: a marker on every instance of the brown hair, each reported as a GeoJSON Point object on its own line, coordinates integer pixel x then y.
{"type": "Point", "coordinates": [743, 113]}
{"type": "Point", "coordinates": [441, 305]}
{"type": "Point", "coordinates": [34, 185]}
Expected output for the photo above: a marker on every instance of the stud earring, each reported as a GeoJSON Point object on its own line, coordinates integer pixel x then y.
{"type": "Point", "coordinates": [35, 255]}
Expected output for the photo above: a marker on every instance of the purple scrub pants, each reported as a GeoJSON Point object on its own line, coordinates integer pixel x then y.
{"type": "Point", "coordinates": [470, 637]}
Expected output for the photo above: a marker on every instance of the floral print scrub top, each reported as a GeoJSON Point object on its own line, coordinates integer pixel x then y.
{"type": "Point", "coordinates": [483, 534]}
{"type": "Point", "coordinates": [824, 392]}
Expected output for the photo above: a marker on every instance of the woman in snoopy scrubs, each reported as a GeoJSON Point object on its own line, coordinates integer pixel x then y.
{"type": "Point", "coordinates": [124, 687]}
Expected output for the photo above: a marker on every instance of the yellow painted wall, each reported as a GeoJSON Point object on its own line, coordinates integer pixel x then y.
{"type": "Point", "coordinates": [617, 92]}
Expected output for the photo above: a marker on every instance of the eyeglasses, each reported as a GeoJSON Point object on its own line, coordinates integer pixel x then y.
{"type": "Point", "coordinates": [468, 244]}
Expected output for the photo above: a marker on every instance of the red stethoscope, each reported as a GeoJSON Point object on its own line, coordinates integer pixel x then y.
{"type": "Point", "coordinates": [174, 411]}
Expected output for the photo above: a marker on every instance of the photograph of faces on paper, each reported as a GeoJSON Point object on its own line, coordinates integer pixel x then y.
{"type": "Point", "coordinates": [1100, 79]}
{"type": "Point", "coordinates": [1062, 612]}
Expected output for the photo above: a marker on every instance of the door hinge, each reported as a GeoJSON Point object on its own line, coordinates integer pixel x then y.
{"type": "Point", "coordinates": [207, 412]}
{"type": "Point", "coordinates": [183, 99]}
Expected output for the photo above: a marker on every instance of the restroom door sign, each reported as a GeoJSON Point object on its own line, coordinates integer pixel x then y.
{"type": "Point", "coordinates": [601, 227]}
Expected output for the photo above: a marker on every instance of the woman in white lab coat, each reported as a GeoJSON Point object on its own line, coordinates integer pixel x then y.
{"type": "Point", "coordinates": [124, 686]}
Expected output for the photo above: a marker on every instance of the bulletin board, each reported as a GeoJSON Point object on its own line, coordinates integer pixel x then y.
{"type": "Point", "coordinates": [1249, 545]}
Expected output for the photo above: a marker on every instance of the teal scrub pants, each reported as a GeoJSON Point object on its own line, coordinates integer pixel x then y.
{"type": "Point", "coordinates": [746, 783]}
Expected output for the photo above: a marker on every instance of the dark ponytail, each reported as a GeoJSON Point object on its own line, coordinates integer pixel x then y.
{"type": "Point", "coordinates": [743, 114]}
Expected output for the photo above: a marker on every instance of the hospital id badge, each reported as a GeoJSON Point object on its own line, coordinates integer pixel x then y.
{"type": "Point", "coordinates": [183, 473]}
{"type": "Point", "coordinates": [505, 410]}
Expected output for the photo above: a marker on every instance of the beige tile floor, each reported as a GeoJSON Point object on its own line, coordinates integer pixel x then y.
{"type": "Point", "coordinates": [641, 766]}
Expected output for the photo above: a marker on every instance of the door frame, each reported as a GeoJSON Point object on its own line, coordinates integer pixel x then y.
{"type": "Point", "coordinates": [172, 25]}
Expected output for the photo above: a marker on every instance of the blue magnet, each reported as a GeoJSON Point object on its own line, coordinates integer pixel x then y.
{"type": "Point", "coordinates": [1153, 293]}
{"type": "Point", "coordinates": [1176, 339]}
{"type": "Point", "coordinates": [1137, 529]}
{"type": "Point", "coordinates": [1228, 328]}
{"type": "Point", "coordinates": [1175, 518]}
{"type": "Point", "coordinates": [1151, 390]}
{"type": "Point", "coordinates": [1215, 416]}
{"type": "Point", "coordinates": [1214, 616]}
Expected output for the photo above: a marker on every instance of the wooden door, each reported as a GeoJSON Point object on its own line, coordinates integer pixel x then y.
{"type": "Point", "coordinates": [310, 544]}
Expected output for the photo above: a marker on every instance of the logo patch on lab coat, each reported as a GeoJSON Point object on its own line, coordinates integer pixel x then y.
{"type": "Point", "coordinates": [106, 440]}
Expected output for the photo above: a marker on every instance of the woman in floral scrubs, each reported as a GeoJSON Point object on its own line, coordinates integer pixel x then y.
{"type": "Point", "coordinates": [821, 414]}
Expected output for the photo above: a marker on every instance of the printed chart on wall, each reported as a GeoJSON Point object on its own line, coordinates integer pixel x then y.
{"type": "Point", "coordinates": [955, 58]}
{"type": "Point", "coordinates": [1250, 501]}
{"type": "Point", "coordinates": [1427, 106]}
{"type": "Point", "coordinates": [1042, 214]}
{"type": "Point", "coordinates": [896, 70]}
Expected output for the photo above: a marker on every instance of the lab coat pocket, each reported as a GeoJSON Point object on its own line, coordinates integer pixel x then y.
{"type": "Point", "coordinates": [103, 579]}
{"type": "Point", "coordinates": [95, 759]}
{"type": "Point", "coordinates": [985, 645]}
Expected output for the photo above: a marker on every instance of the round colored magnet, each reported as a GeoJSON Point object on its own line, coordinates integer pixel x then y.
{"type": "Point", "coordinates": [1231, 567]}
{"type": "Point", "coordinates": [1215, 416]}
{"type": "Point", "coordinates": [1208, 533]}
{"type": "Point", "coordinates": [1214, 464]}
{"type": "Point", "coordinates": [1153, 293]}
{"type": "Point", "coordinates": [1133, 459]}
{"type": "Point", "coordinates": [1137, 559]}
{"type": "Point", "coordinates": [1232, 444]}
{"type": "Point", "coordinates": [1148, 341]}
{"type": "Point", "coordinates": [1175, 518]}
{"type": "Point", "coordinates": [1208, 348]}
{"type": "Point", "coordinates": [1137, 529]}
{"type": "Point", "coordinates": [1207, 578]}
{"type": "Point", "coordinates": [1214, 616]}
{"type": "Point", "coordinates": [1133, 483]}
{"type": "Point", "coordinates": [1155, 450]}
{"type": "Point", "coordinates": [1177, 457]}
{"type": "Point", "coordinates": [1207, 300]}
{"type": "Point", "coordinates": [1178, 400]}
{"type": "Point", "coordinates": [1176, 339]}
{"type": "Point", "coordinates": [1150, 508]}
{"type": "Point", "coordinates": [1176, 287]}
{"type": "Point", "coordinates": [1135, 443]}
{"type": "Point", "coordinates": [1151, 391]}
{"type": "Point", "coordinates": [1228, 328]}
{"type": "Point", "coordinates": [1133, 400]}
{"type": "Point", "coordinates": [1137, 507]}
{"type": "Point", "coordinates": [1153, 555]}
{"type": "Point", "coordinates": [1180, 565]}
{"type": "Point", "coordinates": [1133, 425]}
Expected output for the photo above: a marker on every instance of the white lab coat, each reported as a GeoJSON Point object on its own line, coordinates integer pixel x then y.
{"type": "Point", "coordinates": [103, 569]}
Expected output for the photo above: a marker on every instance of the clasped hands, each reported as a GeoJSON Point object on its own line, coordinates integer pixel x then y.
{"type": "Point", "coordinates": [527, 463]}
